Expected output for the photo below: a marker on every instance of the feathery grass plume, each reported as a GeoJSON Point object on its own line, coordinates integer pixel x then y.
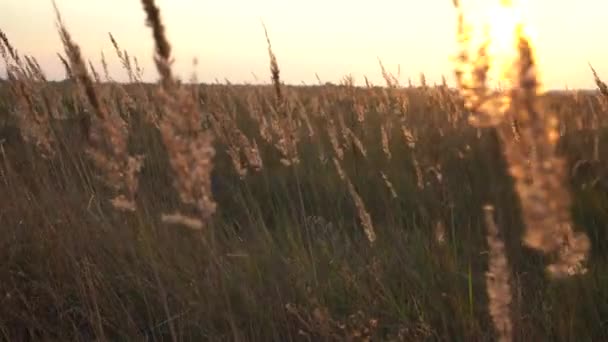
{"type": "Point", "coordinates": [139, 70]}
{"type": "Point", "coordinates": [283, 127]}
{"type": "Point", "coordinates": [106, 132]}
{"type": "Point", "coordinates": [8, 47]}
{"type": "Point", "coordinates": [410, 141]}
{"type": "Point", "coordinates": [282, 121]}
{"type": "Point", "coordinates": [189, 147]}
{"type": "Point", "coordinates": [33, 117]}
{"type": "Point", "coordinates": [128, 66]}
{"type": "Point", "coordinates": [359, 109]}
{"type": "Point", "coordinates": [546, 201]}
{"type": "Point", "coordinates": [274, 68]}
{"type": "Point", "coordinates": [3, 52]}
{"type": "Point", "coordinates": [104, 67]}
{"type": "Point", "coordinates": [498, 280]}
{"type": "Point", "coordinates": [539, 173]}
{"type": "Point", "coordinates": [123, 56]}
{"type": "Point", "coordinates": [162, 57]}
{"type": "Point", "coordinates": [364, 216]}
{"type": "Point", "coordinates": [603, 98]}
{"type": "Point", "coordinates": [390, 79]}
{"type": "Point", "coordinates": [116, 46]}
{"type": "Point", "coordinates": [79, 71]}
{"type": "Point", "coordinates": [26, 83]}
{"type": "Point", "coordinates": [603, 88]}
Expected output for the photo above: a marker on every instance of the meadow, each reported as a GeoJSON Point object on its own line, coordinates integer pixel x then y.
{"type": "Point", "coordinates": [332, 212]}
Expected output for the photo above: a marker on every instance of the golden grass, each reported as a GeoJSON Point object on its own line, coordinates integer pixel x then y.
{"type": "Point", "coordinates": [383, 144]}
{"type": "Point", "coordinates": [189, 147]}
{"type": "Point", "coordinates": [530, 147]}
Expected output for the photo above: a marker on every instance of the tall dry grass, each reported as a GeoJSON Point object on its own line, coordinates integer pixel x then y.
{"type": "Point", "coordinates": [330, 212]}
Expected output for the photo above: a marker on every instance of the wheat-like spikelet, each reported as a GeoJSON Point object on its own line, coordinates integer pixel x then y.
{"type": "Point", "coordinates": [34, 106]}
{"type": "Point", "coordinates": [189, 147]}
{"type": "Point", "coordinates": [285, 135]}
{"type": "Point", "coordinates": [603, 88]}
{"type": "Point", "coordinates": [106, 132]}
{"type": "Point", "coordinates": [366, 220]}
{"type": "Point", "coordinates": [282, 123]}
{"type": "Point", "coordinates": [274, 68]}
{"type": "Point", "coordinates": [498, 280]}
{"type": "Point", "coordinates": [8, 50]}
{"type": "Point", "coordinates": [410, 140]}
{"type": "Point", "coordinates": [105, 68]}
{"type": "Point", "coordinates": [603, 100]}
{"type": "Point", "coordinates": [139, 70]}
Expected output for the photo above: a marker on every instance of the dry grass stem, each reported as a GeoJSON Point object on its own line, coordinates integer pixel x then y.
{"type": "Point", "coordinates": [364, 216]}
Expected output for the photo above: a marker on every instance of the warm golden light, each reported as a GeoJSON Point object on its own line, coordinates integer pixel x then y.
{"type": "Point", "coordinates": [328, 38]}
{"type": "Point", "coordinates": [502, 50]}
{"type": "Point", "coordinates": [496, 46]}
{"type": "Point", "coordinates": [497, 27]}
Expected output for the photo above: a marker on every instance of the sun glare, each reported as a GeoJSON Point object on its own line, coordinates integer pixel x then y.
{"type": "Point", "coordinates": [498, 25]}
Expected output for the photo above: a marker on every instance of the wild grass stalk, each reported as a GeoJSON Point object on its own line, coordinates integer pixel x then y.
{"type": "Point", "coordinates": [189, 146]}
{"type": "Point", "coordinates": [106, 133]}
{"type": "Point", "coordinates": [282, 261]}
{"type": "Point", "coordinates": [539, 172]}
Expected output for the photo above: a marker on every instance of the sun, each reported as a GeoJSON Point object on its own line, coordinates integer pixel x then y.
{"type": "Point", "coordinates": [498, 26]}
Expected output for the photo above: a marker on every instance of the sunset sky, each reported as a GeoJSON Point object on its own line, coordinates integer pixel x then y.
{"type": "Point", "coordinates": [329, 37]}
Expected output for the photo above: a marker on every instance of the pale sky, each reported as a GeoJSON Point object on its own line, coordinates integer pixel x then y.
{"type": "Point", "coordinates": [329, 37]}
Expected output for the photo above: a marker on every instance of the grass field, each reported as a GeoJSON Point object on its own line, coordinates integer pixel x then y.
{"type": "Point", "coordinates": [216, 212]}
